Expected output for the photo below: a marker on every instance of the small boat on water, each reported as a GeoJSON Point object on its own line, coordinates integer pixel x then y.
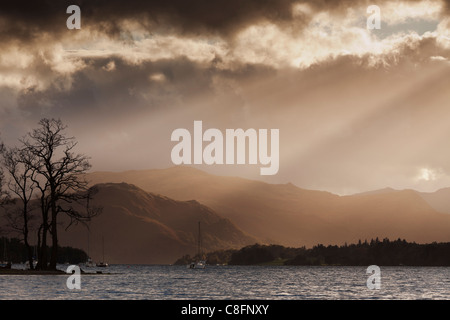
{"type": "Point", "coordinates": [201, 263]}
{"type": "Point", "coordinates": [102, 264]}
{"type": "Point", "coordinates": [27, 264]}
{"type": "Point", "coordinates": [89, 263]}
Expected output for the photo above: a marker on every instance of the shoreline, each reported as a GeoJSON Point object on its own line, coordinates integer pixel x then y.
{"type": "Point", "coordinates": [17, 272]}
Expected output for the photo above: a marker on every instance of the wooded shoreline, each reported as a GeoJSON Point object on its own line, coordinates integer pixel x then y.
{"type": "Point", "coordinates": [378, 252]}
{"type": "Point", "coordinates": [4, 271]}
{"type": "Point", "coordinates": [22, 272]}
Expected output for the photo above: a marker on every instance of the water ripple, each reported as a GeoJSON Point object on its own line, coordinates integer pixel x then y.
{"type": "Point", "coordinates": [235, 282]}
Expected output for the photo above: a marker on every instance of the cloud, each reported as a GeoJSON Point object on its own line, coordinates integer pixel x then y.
{"type": "Point", "coordinates": [401, 12]}
{"type": "Point", "coordinates": [139, 69]}
{"type": "Point", "coordinates": [314, 34]}
{"type": "Point", "coordinates": [256, 31]}
{"type": "Point", "coordinates": [151, 66]}
{"type": "Point", "coordinates": [428, 174]}
{"type": "Point", "coordinates": [24, 19]}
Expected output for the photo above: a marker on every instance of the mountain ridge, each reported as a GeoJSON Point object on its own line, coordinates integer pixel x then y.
{"type": "Point", "coordinates": [145, 228]}
{"type": "Point", "coordinates": [288, 215]}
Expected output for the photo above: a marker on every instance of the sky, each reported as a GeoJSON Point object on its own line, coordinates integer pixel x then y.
{"type": "Point", "coordinates": [356, 109]}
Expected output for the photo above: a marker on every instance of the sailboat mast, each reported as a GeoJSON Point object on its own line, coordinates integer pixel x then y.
{"type": "Point", "coordinates": [199, 241]}
{"type": "Point", "coordinates": [89, 254]}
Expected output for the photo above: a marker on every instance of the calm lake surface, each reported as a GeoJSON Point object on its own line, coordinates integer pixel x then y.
{"type": "Point", "coordinates": [233, 282]}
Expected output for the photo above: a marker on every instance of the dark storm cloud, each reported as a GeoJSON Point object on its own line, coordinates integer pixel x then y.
{"type": "Point", "coordinates": [125, 89]}
{"type": "Point", "coordinates": [221, 16]}
{"type": "Point", "coordinates": [129, 88]}
{"type": "Point", "coordinates": [25, 19]}
{"type": "Point", "coordinates": [341, 5]}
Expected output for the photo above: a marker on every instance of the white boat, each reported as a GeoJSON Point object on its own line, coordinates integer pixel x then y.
{"type": "Point", "coordinates": [102, 264]}
{"type": "Point", "coordinates": [89, 263]}
{"type": "Point", "coordinates": [200, 264]}
{"type": "Point", "coordinates": [27, 264]}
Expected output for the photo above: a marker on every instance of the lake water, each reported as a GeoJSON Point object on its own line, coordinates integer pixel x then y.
{"type": "Point", "coordinates": [140, 282]}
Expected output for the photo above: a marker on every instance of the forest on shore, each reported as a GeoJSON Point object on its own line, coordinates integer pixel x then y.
{"type": "Point", "coordinates": [14, 250]}
{"type": "Point", "coordinates": [374, 252]}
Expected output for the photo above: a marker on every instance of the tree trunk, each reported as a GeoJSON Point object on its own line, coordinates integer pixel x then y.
{"type": "Point", "coordinates": [38, 249]}
{"type": "Point", "coordinates": [54, 232]}
{"type": "Point", "coordinates": [42, 263]}
{"type": "Point", "coordinates": [30, 254]}
{"type": "Point", "coordinates": [25, 234]}
{"type": "Point", "coordinates": [27, 245]}
{"type": "Point", "coordinates": [54, 253]}
{"type": "Point", "coordinates": [43, 258]}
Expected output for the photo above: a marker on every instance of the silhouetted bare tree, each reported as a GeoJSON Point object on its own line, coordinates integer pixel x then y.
{"type": "Point", "coordinates": [21, 185]}
{"type": "Point", "coordinates": [58, 177]}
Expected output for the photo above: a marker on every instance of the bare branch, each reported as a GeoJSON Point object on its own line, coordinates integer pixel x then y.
{"type": "Point", "coordinates": [56, 172]}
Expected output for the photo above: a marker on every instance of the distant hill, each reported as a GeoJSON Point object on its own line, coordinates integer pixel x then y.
{"type": "Point", "coordinates": [145, 228]}
{"type": "Point", "coordinates": [439, 200]}
{"type": "Point", "coordinates": [379, 191]}
{"type": "Point", "coordinates": [292, 216]}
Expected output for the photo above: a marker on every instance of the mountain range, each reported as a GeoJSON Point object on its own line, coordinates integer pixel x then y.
{"type": "Point", "coordinates": [138, 227]}
{"type": "Point", "coordinates": [237, 211]}
{"type": "Point", "coordinates": [438, 200]}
